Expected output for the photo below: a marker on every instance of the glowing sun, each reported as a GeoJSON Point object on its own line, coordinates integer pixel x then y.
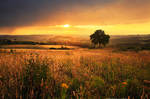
{"type": "Point", "coordinates": [66, 25]}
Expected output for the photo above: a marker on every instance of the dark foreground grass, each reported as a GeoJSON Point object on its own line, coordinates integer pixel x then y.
{"type": "Point", "coordinates": [43, 78]}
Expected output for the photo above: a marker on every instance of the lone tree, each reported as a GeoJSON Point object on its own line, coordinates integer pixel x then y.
{"type": "Point", "coordinates": [99, 38]}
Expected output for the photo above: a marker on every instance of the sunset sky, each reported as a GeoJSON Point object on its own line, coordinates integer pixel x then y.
{"type": "Point", "coordinates": [74, 17]}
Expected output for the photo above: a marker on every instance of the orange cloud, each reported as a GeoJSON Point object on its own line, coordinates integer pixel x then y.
{"type": "Point", "coordinates": [114, 16]}
{"type": "Point", "coordinates": [118, 29]}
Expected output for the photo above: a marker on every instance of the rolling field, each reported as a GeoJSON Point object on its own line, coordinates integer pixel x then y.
{"type": "Point", "coordinates": [45, 47]}
{"type": "Point", "coordinates": [74, 49]}
{"type": "Point", "coordinates": [73, 74]}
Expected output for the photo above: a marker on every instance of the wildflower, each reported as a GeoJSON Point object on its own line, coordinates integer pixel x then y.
{"type": "Point", "coordinates": [64, 85]}
{"type": "Point", "coordinates": [46, 87]}
{"type": "Point", "coordinates": [124, 83]}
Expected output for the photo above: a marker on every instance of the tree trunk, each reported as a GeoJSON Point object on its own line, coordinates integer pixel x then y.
{"type": "Point", "coordinates": [99, 45]}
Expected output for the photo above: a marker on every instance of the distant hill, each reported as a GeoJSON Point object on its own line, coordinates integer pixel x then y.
{"type": "Point", "coordinates": [115, 40]}
{"type": "Point", "coordinates": [36, 38]}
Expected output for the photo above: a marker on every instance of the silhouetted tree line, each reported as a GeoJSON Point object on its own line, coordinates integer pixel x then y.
{"type": "Point", "coordinates": [5, 41]}
{"type": "Point", "coordinates": [8, 42]}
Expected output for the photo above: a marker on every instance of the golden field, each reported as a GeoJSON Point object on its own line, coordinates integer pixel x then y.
{"type": "Point", "coordinates": [73, 74]}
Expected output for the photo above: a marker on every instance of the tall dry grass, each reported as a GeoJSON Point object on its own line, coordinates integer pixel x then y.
{"type": "Point", "coordinates": [45, 74]}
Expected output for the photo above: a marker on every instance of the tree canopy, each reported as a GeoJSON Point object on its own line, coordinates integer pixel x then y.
{"type": "Point", "coordinates": [99, 38]}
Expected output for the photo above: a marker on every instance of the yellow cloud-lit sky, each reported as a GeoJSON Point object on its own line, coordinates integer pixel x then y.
{"type": "Point", "coordinates": [75, 17]}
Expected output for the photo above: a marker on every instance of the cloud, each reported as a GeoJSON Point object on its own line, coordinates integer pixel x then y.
{"type": "Point", "coordinates": [28, 12]}
{"type": "Point", "coordinates": [21, 13]}
{"type": "Point", "coordinates": [120, 12]}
